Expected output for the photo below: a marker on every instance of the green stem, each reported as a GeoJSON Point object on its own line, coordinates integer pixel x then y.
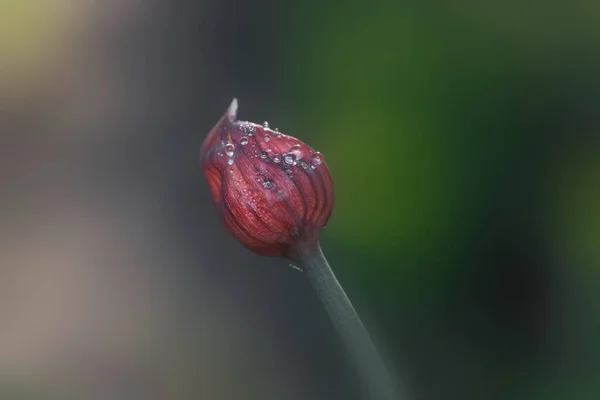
{"type": "Point", "coordinates": [361, 349]}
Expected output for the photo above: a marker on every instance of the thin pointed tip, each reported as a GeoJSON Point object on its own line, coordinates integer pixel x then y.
{"type": "Point", "coordinates": [232, 110]}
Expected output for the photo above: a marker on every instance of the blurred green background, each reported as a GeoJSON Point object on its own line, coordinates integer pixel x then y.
{"type": "Point", "coordinates": [465, 147]}
{"type": "Point", "coordinates": [464, 143]}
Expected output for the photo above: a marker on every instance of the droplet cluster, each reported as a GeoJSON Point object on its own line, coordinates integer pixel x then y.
{"type": "Point", "coordinates": [298, 156]}
{"type": "Point", "coordinates": [273, 192]}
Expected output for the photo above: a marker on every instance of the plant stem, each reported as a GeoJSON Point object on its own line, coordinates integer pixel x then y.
{"type": "Point", "coordinates": [361, 349]}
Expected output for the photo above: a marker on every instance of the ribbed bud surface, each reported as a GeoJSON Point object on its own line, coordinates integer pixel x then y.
{"type": "Point", "coordinates": [274, 193]}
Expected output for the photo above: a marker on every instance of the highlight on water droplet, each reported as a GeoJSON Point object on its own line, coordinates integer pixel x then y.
{"type": "Point", "coordinates": [267, 138]}
{"type": "Point", "coordinates": [289, 159]}
{"type": "Point", "coordinates": [317, 158]}
{"type": "Point", "coordinates": [248, 128]}
{"type": "Point", "coordinates": [277, 158]}
{"type": "Point", "coordinates": [230, 161]}
{"type": "Point", "coordinates": [268, 184]}
{"type": "Point", "coordinates": [229, 148]}
{"type": "Point", "coordinates": [263, 155]}
{"type": "Point", "coordinates": [266, 125]}
{"type": "Point", "coordinates": [244, 140]}
{"type": "Point", "coordinates": [299, 152]}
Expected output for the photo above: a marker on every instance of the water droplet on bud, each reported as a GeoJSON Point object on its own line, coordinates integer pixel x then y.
{"type": "Point", "coordinates": [229, 148]}
{"type": "Point", "coordinates": [266, 125]}
{"type": "Point", "coordinates": [267, 139]}
{"type": "Point", "coordinates": [230, 161]}
{"type": "Point", "coordinates": [268, 185]}
{"type": "Point", "coordinates": [299, 151]}
{"type": "Point", "coordinates": [247, 128]}
{"type": "Point", "coordinates": [318, 158]}
{"type": "Point", "coordinates": [263, 155]}
{"type": "Point", "coordinates": [290, 159]}
{"type": "Point", "coordinates": [277, 158]}
{"type": "Point", "coordinates": [244, 141]}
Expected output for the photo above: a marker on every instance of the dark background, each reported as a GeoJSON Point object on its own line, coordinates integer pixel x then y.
{"type": "Point", "coordinates": [464, 142]}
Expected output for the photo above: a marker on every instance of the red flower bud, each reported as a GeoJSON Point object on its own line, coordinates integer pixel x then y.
{"type": "Point", "coordinates": [274, 193]}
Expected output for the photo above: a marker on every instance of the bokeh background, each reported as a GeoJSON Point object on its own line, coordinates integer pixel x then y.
{"type": "Point", "coordinates": [464, 142]}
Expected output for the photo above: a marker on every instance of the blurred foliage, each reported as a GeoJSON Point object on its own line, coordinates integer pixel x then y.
{"type": "Point", "coordinates": [464, 142]}
{"type": "Point", "coordinates": [32, 38]}
{"type": "Point", "coordinates": [437, 102]}
{"type": "Point", "coordinates": [463, 139]}
{"type": "Point", "coordinates": [27, 31]}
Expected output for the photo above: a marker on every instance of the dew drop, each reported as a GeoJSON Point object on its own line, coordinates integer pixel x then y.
{"type": "Point", "coordinates": [277, 158]}
{"type": "Point", "coordinates": [229, 148]}
{"type": "Point", "coordinates": [263, 155]}
{"type": "Point", "coordinates": [290, 159]}
{"type": "Point", "coordinates": [267, 139]}
{"type": "Point", "coordinates": [220, 154]}
{"type": "Point", "coordinates": [244, 141]}
{"type": "Point", "coordinates": [318, 158]}
{"type": "Point", "coordinates": [268, 185]}
{"type": "Point", "coordinates": [313, 166]}
{"type": "Point", "coordinates": [298, 151]}
{"type": "Point", "coordinates": [304, 165]}
{"type": "Point", "coordinates": [231, 170]}
{"type": "Point", "coordinates": [230, 161]}
{"type": "Point", "coordinates": [247, 128]}
{"type": "Point", "coordinates": [266, 125]}
{"type": "Point", "coordinates": [278, 136]}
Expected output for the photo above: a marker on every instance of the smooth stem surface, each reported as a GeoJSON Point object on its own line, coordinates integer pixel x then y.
{"type": "Point", "coordinates": [378, 384]}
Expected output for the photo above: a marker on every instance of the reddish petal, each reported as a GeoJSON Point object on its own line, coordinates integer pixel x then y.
{"type": "Point", "coordinates": [274, 191]}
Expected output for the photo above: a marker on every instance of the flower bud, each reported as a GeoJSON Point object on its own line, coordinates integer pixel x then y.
{"type": "Point", "coordinates": [273, 192]}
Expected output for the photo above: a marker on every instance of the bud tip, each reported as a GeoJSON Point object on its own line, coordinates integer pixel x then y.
{"type": "Point", "coordinates": [232, 110]}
